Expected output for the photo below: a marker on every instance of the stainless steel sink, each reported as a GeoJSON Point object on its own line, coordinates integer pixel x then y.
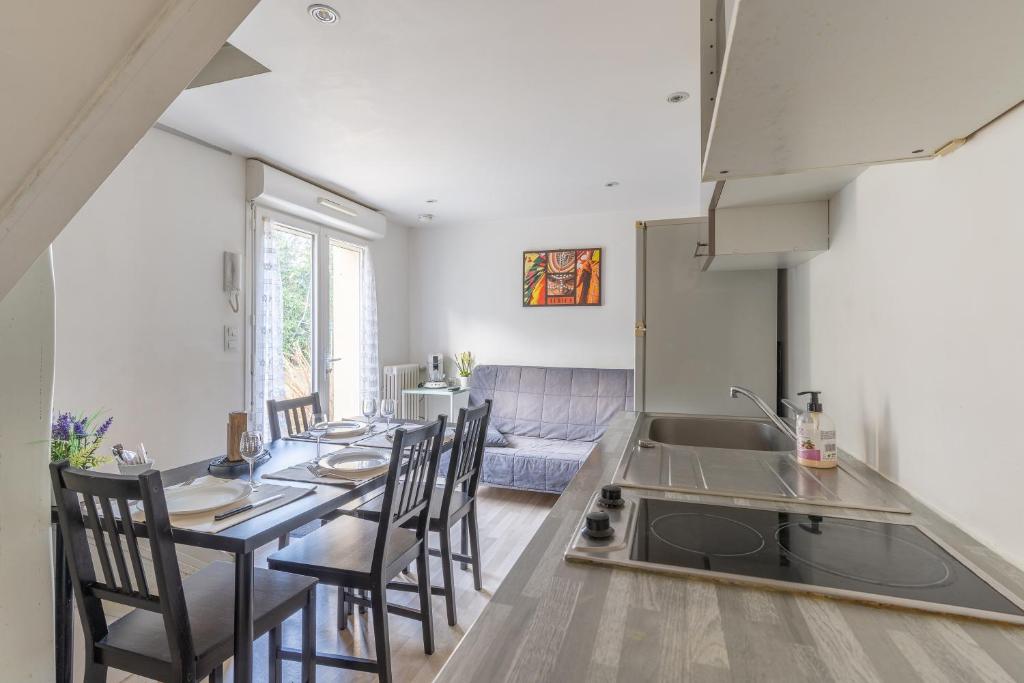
{"type": "Point", "coordinates": [741, 457]}
{"type": "Point", "coordinates": [717, 432]}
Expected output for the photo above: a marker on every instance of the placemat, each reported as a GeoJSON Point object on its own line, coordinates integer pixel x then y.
{"type": "Point", "coordinates": [203, 521]}
{"type": "Point", "coordinates": [302, 474]}
{"type": "Point", "coordinates": [378, 429]}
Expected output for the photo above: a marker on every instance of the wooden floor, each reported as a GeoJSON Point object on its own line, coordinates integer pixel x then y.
{"type": "Point", "coordinates": [508, 520]}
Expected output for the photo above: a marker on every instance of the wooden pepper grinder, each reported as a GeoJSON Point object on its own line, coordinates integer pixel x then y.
{"type": "Point", "coordinates": [238, 423]}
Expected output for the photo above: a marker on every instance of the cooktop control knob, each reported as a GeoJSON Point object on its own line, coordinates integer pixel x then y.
{"type": "Point", "coordinates": [611, 496]}
{"type": "Point", "coordinates": [598, 525]}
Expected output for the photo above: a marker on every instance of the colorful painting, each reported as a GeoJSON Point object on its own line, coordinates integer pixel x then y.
{"type": "Point", "coordinates": [562, 277]}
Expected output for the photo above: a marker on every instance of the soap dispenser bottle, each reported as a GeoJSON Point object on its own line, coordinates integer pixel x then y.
{"type": "Point", "coordinates": [815, 435]}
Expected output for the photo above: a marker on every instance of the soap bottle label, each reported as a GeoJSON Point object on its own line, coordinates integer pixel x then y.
{"type": "Point", "coordinates": [828, 445]}
{"type": "Point", "coordinates": [807, 438]}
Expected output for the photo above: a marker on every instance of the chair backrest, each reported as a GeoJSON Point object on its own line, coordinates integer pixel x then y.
{"type": "Point", "coordinates": [467, 454]}
{"type": "Point", "coordinates": [298, 414]}
{"type": "Point", "coordinates": [107, 501]}
{"type": "Point", "coordinates": [407, 495]}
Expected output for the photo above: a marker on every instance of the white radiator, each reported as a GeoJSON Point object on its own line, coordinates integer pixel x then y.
{"type": "Point", "coordinates": [396, 378]}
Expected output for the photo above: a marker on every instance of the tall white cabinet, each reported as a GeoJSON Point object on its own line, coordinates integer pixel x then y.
{"type": "Point", "coordinates": [698, 332]}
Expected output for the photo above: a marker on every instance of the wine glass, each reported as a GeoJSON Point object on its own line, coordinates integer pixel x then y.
{"type": "Point", "coordinates": [250, 446]}
{"type": "Point", "coordinates": [369, 409]}
{"type": "Point", "coordinates": [387, 409]}
{"type": "Point", "coordinates": [318, 429]}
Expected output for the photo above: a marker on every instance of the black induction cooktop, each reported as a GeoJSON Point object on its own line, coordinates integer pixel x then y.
{"type": "Point", "coordinates": [874, 558]}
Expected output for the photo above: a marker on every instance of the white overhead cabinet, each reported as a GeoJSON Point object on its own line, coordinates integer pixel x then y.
{"type": "Point", "coordinates": [764, 237]}
{"type": "Point", "coordinates": [798, 97]}
{"type": "Point", "coordinates": [797, 85]}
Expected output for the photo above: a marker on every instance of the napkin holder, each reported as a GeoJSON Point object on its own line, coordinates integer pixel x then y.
{"type": "Point", "coordinates": [238, 424]}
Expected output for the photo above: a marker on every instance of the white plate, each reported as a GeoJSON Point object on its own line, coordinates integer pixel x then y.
{"type": "Point", "coordinates": [187, 500]}
{"type": "Point", "coordinates": [344, 428]}
{"type": "Point", "coordinates": [355, 461]}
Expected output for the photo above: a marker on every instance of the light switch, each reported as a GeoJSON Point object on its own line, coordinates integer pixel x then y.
{"type": "Point", "coordinates": [230, 337]}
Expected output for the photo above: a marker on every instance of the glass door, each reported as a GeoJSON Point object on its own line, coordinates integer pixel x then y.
{"type": "Point", "coordinates": [311, 308]}
{"type": "Point", "coordinates": [342, 279]}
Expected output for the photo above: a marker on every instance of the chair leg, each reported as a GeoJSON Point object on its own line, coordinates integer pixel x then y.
{"type": "Point", "coordinates": [94, 673]}
{"type": "Point", "coordinates": [474, 543]}
{"type": "Point", "coordinates": [464, 547]}
{"type": "Point", "coordinates": [342, 609]}
{"type": "Point", "coordinates": [448, 577]}
{"type": "Point", "coordinates": [309, 637]}
{"type": "Point", "coordinates": [362, 594]}
{"type": "Point", "coordinates": [274, 653]}
{"type": "Point", "coordinates": [423, 580]}
{"type": "Point", "coordinates": [282, 542]}
{"type": "Point", "coordinates": [217, 675]}
{"type": "Point", "coordinates": [379, 609]}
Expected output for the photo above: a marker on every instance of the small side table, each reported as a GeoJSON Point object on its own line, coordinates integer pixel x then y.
{"type": "Point", "coordinates": [449, 393]}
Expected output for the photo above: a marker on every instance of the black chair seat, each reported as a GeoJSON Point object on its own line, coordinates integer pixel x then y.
{"type": "Point", "coordinates": [371, 508]}
{"type": "Point", "coordinates": [210, 597]}
{"type": "Point", "coordinates": [343, 551]}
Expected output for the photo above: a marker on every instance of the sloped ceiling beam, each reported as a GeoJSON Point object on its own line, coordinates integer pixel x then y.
{"type": "Point", "coordinates": [175, 46]}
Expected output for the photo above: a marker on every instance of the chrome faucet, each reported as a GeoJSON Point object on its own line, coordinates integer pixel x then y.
{"type": "Point", "coordinates": [759, 402]}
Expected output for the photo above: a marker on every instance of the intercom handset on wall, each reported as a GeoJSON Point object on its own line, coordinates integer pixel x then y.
{"type": "Point", "coordinates": [232, 278]}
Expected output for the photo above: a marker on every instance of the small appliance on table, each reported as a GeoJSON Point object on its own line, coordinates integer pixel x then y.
{"type": "Point", "coordinates": [895, 564]}
{"type": "Point", "coordinates": [435, 372]}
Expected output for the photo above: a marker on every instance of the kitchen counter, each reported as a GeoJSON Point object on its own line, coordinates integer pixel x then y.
{"type": "Point", "coordinates": [552, 620]}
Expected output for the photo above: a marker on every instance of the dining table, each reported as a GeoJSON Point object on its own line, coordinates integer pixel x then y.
{"type": "Point", "coordinates": [241, 541]}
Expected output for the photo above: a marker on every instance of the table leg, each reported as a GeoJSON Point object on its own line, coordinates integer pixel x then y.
{"type": "Point", "coordinates": [63, 638]}
{"type": "Point", "coordinates": [244, 570]}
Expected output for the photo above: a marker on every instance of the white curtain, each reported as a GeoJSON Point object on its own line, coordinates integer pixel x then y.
{"type": "Point", "coordinates": [369, 361]}
{"type": "Point", "coordinates": [268, 361]}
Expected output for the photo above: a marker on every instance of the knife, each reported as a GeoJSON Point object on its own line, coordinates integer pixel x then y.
{"type": "Point", "coordinates": [245, 508]}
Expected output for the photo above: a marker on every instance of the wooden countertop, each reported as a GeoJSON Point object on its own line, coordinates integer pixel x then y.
{"type": "Point", "coordinates": [551, 620]}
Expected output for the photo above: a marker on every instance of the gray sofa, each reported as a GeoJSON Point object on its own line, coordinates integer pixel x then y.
{"type": "Point", "coordinates": [551, 418]}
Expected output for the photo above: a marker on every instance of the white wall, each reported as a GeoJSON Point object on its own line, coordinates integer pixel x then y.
{"type": "Point", "coordinates": [912, 325]}
{"type": "Point", "coordinates": [466, 292]}
{"type": "Point", "coordinates": [140, 311]}
{"type": "Point", "coordinates": [140, 307]}
{"type": "Point", "coordinates": [26, 366]}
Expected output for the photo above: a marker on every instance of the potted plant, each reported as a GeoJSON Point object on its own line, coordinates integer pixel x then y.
{"type": "Point", "coordinates": [464, 362]}
{"type": "Point", "coordinates": [77, 438]}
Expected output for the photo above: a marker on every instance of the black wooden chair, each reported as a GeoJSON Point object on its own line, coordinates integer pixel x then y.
{"type": "Point", "coordinates": [356, 554]}
{"type": "Point", "coordinates": [455, 505]}
{"type": "Point", "coordinates": [298, 414]}
{"type": "Point", "coordinates": [182, 631]}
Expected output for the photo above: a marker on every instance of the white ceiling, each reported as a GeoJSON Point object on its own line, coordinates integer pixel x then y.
{"type": "Point", "coordinates": [495, 109]}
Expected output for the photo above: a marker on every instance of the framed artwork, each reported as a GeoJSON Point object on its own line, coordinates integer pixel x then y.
{"type": "Point", "coordinates": [562, 277]}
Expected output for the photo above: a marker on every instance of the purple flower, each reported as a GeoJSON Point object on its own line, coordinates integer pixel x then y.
{"type": "Point", "coordinates": [61, 429]}
{"type": "Point", "coordinates": [80, 428]}
{"type": "Point", "coordinates": [104, 427]}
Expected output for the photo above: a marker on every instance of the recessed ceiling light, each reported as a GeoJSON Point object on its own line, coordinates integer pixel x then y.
{"type": "Point", "coordinates": [425, 217]}
{"type": "Point", "coordinates": [612, 183]}
{"type": "Point", "coordinates": [431, 201]}
{"type": "Point", "coordinates": [677, 97]}
{"type": "Point", "coordinates": [323, 13]}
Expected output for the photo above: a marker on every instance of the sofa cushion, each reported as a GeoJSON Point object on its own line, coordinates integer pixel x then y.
{"type": "Point", "coordinates": [534, 463]}
{"type": "Point", "coordinates": [552, 403]}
